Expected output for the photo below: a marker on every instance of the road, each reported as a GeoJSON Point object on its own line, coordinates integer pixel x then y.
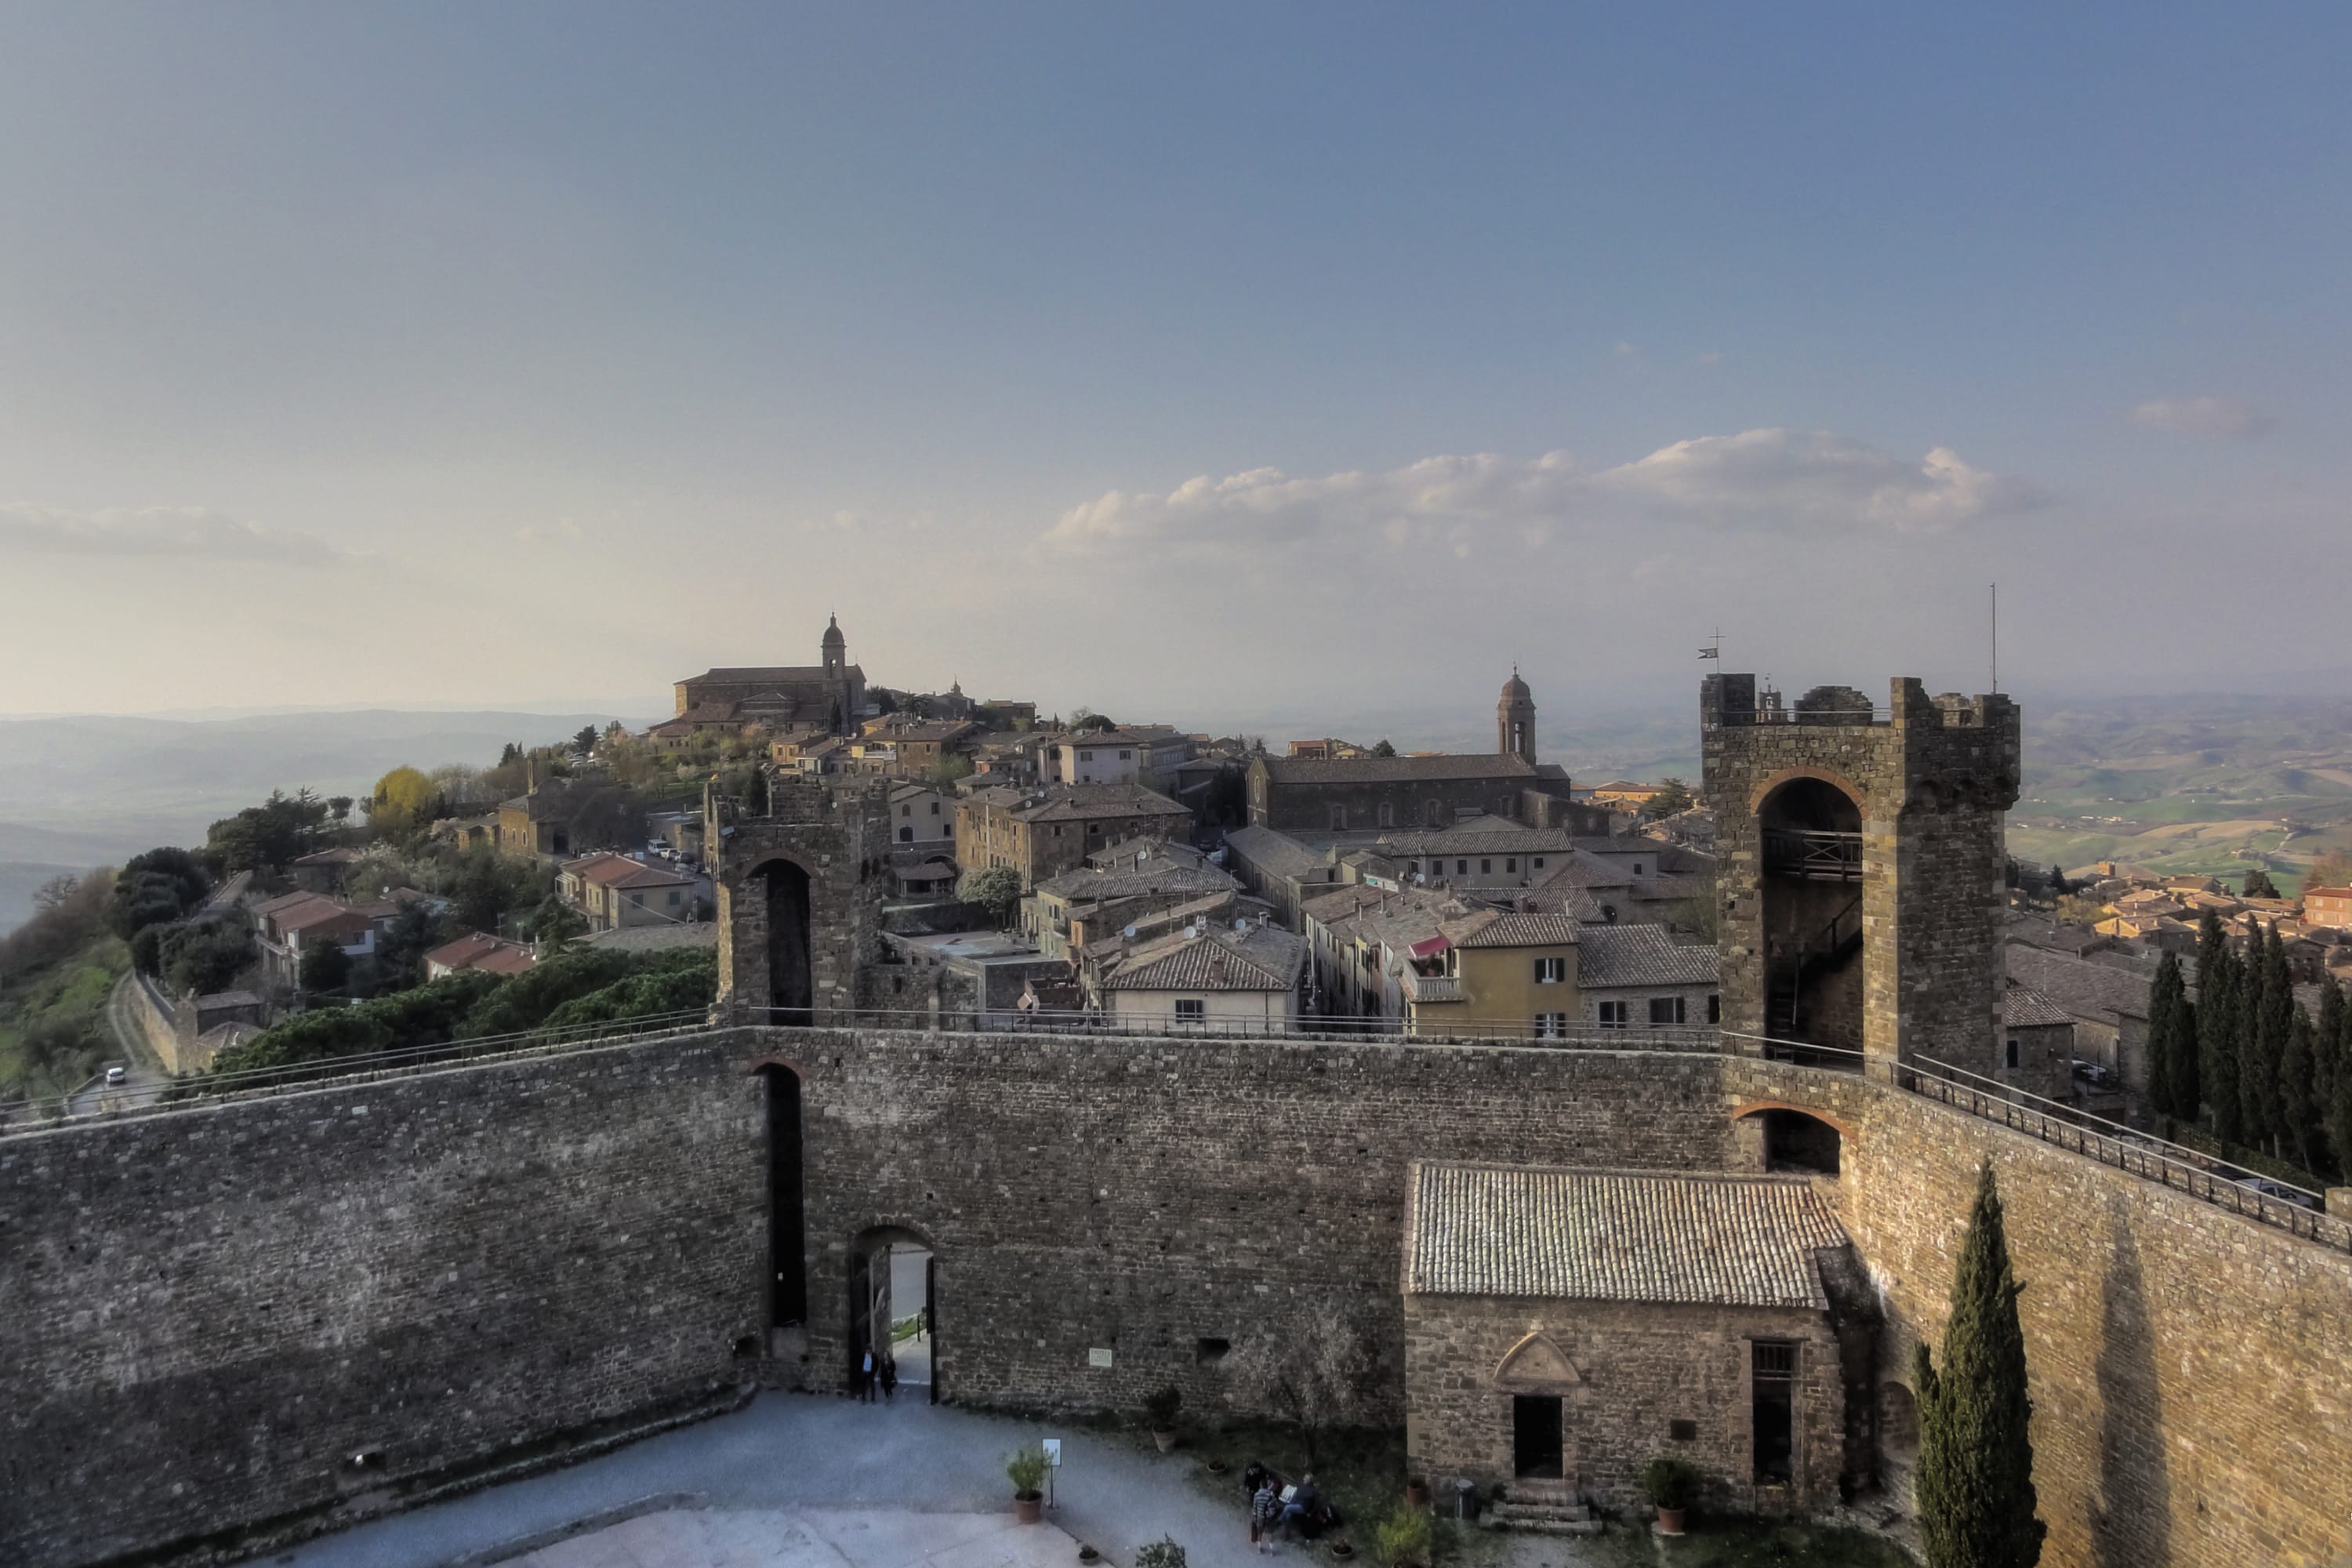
{"type": "Point", "coordinates": [143, 1078]}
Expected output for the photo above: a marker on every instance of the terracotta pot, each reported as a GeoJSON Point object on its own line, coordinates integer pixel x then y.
{"type": "Point", "coordinates": [1166, 1440]}
{"type": "Point", "coordinates": [1218, 1467]}
{"type": "Point", "coordinates": [1416, 1495]}
{"type": "Point", "coordinates": [1670, 1522]}
{"type": "Point", "coordinates": [1028, 1509]}
{"type": "Point", "coordinates": [1342, 1551]}
{"type": "Point", "coordinates": [1088, 1554]}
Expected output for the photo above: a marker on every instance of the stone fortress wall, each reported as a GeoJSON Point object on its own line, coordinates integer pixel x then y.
{"type": "Point", "coordinates": [212, 1313]}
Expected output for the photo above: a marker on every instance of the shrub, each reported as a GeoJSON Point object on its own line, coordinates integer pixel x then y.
{"type": "Point", "coordinates": [1026, 1470]}
{"type": "Point", "coordinates": [1161, 1553]}
{"type": "Point", "coordinates": [1161, 1407]}
{"type": "Point", "coordinates": [1404, 1538]}
{"type": "Point", "coordinates": [1670, 1481]}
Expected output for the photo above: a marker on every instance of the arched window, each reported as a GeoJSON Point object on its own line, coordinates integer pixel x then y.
{"type": "Point", "coordinates": [1810, 833]}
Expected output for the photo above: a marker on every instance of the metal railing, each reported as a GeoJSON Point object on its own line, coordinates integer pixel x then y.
{"type": "Point", "coordinates": [1815, 854]}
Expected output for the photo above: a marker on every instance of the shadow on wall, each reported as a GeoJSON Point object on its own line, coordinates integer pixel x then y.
{"type": "Point", "coordinates": [2133, 1527]}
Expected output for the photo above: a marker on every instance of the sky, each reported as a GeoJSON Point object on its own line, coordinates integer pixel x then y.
{"type": "Point", "coordinates": [1187, 362]}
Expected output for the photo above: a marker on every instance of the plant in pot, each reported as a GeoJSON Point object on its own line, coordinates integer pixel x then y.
{"type": "Point", "coordinates": [1161, 1553]}
{"type": "Point", "coordinates": [1671, 1483]}
{"type": "Point", "coordinates": [1026, 1470]}
{"type": "Point", "coordinates": [1403, 1538]}
{"type": "Point", "coordinates": [1160, 1409]}
{"type": "Point", "coordinates": [1416, 1492]}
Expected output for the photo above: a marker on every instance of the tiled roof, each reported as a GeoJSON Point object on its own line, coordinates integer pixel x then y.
{"type": "Point", "coordinates": [1076, 803]}
{"type": "Point", "coordinates": [1275, 853]}
{"type": "Point", "coordinates": [1385, 769]}
{"type": "Point", "coordinates": [2023, 1007]}
{"type": "Point", "coordinates": [1612, 955]}
{"type": "Point", "coordinates": [2084, 989]}
{"type": "Point", "coordinates": [773, 675]}
{"type": "Point", "coordinates": [1504, 840]}
{"type": "Point", "coordinates": [1596, 1236]}
{"type": "Point", "coordinates": [1510, 929]}
{"type": "Point", "coordinates": [1085, 883]}
{"type": "Point", "coordinates": [481, 950]}
{"type": "Point", "coordinates": [1218, 960]}
{"type": "Point", "coordinates": [610, 870]}
{"type": "Point", "coordinates": [1582, 868]}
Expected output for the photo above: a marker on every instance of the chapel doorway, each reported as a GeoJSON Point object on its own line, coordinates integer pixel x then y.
{"type": "Point", "coordinates": [1537, 1448]}
{"type": "Point", "coordinates": [894, 1311]}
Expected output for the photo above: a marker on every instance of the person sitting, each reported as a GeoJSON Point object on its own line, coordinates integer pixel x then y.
{"type": "Point", "coordinates": [1303, 1507]}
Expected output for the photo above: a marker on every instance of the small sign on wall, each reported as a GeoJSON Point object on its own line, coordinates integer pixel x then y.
{"type": "Point", "coordinates": [1099, 1356]}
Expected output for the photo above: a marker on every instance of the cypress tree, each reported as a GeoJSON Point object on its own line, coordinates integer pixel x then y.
{"type": "Point", "coordinates": [2328, 1059]}
{"type": "Point", "coordinates": [2267, 1023]}
{"type": "Point", "coordinates": [2217, 1039]}
{"type": "Point", "coordinates": [2171, 1047]}
{"type": "Point", "coordinates": [2339, 1112]}
{"type": "Point", "coordinates": [1975, 1476]}
{"type": "Point", "coordinates": [2300, 1136]}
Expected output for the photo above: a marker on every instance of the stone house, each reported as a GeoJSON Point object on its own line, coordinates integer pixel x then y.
{"type": "Point", "coordinates": [2037, 1043]}
{"type": "Point", "coordinates": [612, 892]}
{"type": "Point", "coordinates": [2330, 907]}
{"type": "Point", "coordinates": [1639, 977]}
{"type": "Point", "coordinates": [1042, 832]}
{"type": "Point", "coordinates": [1317, 795]}
{"type": "Point", "coordinates": [560, 818]}
{"type": "Point", "coordinates": [830, 693]}
{"type": "Point", "coordinates": [1563, 1327]}
{"type": "Point", "coordinates": [1088, 901]}
{"type": "Point", "coordinates": [1281, 870]}
{"type": "Point", "coordinates": [920, 816]}
{"type": "Point", "coordinates": [1147, 755]}
{"type": "Point", "coordinates": [479, 950]}
{"type": "Point", "coordinates": [1207, 978]}
{"type": "Point", "coordinates": [321, 871]}
{"type": "Point", "coordinates": [2107, 1002]}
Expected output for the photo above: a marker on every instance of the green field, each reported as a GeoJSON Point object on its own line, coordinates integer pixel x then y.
{"type": "Point", "coordinates": [53, 1032]}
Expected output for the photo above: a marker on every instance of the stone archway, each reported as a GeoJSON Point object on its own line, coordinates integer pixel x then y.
{"type": "Point", "coordinates": [894, 1278]}
{"type": "Point", "coordinates": [1810, 829]}
{"type": "Point", "coordinates": [783, 892]}
{"type": "Point", "coordinates": [1540, 1388]}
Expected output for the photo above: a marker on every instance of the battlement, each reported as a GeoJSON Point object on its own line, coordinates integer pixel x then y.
{"type": "Point", "coordinates": [1735, 701]}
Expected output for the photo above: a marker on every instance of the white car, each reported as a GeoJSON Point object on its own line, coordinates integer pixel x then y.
{"type": "Point", "coordinates": [115, 1075]}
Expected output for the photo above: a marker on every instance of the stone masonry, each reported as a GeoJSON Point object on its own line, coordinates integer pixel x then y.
{"type": "Point", "coordinates": [840, 838]}
{"type": "Point", "coordinates": [1932, 779]}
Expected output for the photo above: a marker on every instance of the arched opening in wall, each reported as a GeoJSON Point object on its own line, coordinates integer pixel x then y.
{"type": "Point", "coordinates": [1898, 1425]}
{"type": "Point", "coordinates": [894, 1288]}
{"type": "Point", "coordinates": [787, 1226]}
{"type": "Point", "coordinates": [1798, 1144]}
{"type": "Point", "coordinates": [1812, 843]}
{"type": "Point", "coordinates": [792, 993]}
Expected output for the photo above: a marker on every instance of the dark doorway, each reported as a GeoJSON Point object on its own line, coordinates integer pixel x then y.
{"type": "Point", "coordinates": [1535, 1445]}
{"type": "Point", "coordinates": [1773, 1377]}
{"type": "Point", "coordinates": [1812, 838]}
{"type": "Point", "coordinates": [791, 997]}
{"type": "Point", "coordinates": [893, 1311]}
{"type": "Point", "coordinates": [1796, 1142]}
{"type": "Point", "coordinates": [787, 1234]}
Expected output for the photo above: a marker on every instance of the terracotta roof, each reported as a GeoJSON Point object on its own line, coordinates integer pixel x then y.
{"type": "Point", "coordinates": [1507, 839]}
{"type": "Point", "coordinates": [610, 870]}
{"type": "Point", "coordinates": [2023, 1007]}
{"type": "Point", "coordinates": [1382, 770]}
{"type": "Point", "coordinates": [1154, 876]}
{"type": "Point", "coordinates": [1601, 1236]}
{"type": "Point", "coordinates": [1220, 959]}
{"type": "Point", "coordinates": [481, 950]}
{"type": "Point", "coordinates": [1275, 853]}
{"type": "Point", "coordinates": [1614, 955]}
{"type": "Point", "coordinates": [2083, 989]}
{"type": "Point", "coordinates": [1076, 803]}
{"type": "Point", "coordinates": [1506, 930]}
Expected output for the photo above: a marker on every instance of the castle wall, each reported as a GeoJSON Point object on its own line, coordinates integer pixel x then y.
{"type": "Point", "coordinates": [210, 1311]}
{"type": "Point", "coordinates": [207, 1314]}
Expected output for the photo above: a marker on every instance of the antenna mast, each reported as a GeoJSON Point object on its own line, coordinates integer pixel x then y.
{"type": "Point", "coordinates": [1996, 638]}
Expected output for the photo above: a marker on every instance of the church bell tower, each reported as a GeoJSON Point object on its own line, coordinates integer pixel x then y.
{"type": "Point", "coordinates": [1515, 718]}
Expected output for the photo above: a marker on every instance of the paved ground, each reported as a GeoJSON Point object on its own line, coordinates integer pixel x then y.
{"type": "Point", "coordinates": [810, 1537]}
{"type": "Point", "coordinates": [144, 1079]}
{"type": "Point", "coordinates": [796, 1453]}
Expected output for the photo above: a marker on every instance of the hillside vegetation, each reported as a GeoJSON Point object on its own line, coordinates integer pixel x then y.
{"type": "Point", "coordinates": [57, 971]}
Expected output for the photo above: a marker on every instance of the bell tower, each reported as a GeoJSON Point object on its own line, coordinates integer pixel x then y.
{"type": "Point", "coordinates": [835, 650]}
{"type": "Point", "coordinates": [1515, 718]}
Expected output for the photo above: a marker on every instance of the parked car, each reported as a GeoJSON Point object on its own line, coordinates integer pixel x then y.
{"type": "Point", "coordinates": [116, 1075]}
{"type": "Point", "coordinates": [2280, 1191]}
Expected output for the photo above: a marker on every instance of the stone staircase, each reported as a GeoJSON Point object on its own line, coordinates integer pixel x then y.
{"type": "Point", "coordinates": [1546, 1508]}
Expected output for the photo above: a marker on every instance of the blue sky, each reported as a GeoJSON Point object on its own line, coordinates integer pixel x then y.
{"type": "Point", "coordinates": [497, 354]}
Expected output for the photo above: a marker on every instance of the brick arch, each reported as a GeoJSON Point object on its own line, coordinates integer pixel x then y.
{"type": "Point", "coordinates": [754, 1064]}
{"type": "Point", "coordinates": [1830, 777]}
{"type": "Point", "coordinates": [772, 857]}
{"type": "Point", "coordinates": [1537, 1362]}
{"type": "Point", "coordinates": [1748, 1108]}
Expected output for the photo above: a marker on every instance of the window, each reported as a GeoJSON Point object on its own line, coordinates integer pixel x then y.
{"type": "Point", "coordinates": [1637, 867]}
{"type": "Point", "coordinates": [1538, 862]}
{"type": "Point", "coordinates": [935, 808]}
{"type": "Point", "coordinates": [1615, 1015]}
{"type": "Point", "coordinates": [1550, 1026]}
{"type": "Point", "coordinates": [1682, 1431]}
{"type": "Point", "coordinates": [905, 835]}
{"type": "Point", "coordinates": [1209, 1352]}
{"type": "Point", "coordinates": [1388, 815]}
{"type": "Point", "coordinates": [1666, 1010]}
{"type": "Point", "coordinates": [673, 897]}
{"type": "Point", "coordinates": [1462, 868]}
{"type": "Point", "coordinates": [2012, 1053]}
{"type": "Point", "coordinates": [1511, 864]}
{"type": "Point", "coordinates": [1191, 1009]}
{"type": "Point", "coordinates": [1127, 756]}
{"type": "Point", "coordinates": [1085, 756]}
{"type": "Point", "coordinates": [1486, 867]}
{"type": "Point", "coordinates": [1551, 971]}
{"type": "Point", "coordinates": [1772, 1378]}
{"type": "Point", "coordinates": [906, 811]}
{"type": "Point", "coordinates": [1714, 1007]}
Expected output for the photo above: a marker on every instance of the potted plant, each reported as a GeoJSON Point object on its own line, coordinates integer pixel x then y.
{"type": "Point", "coordinates": [1341, 1549]}
{"type": "Point", "coordinates": [1403, 1538]}
{"type": "Point", "coordinates": [1416, 1491]}
{"type": "Point", "coordinates": [1671, 1483]}
{"type": "Point", "coordinates": [1026, 1470]}
{"type": "Point", "coordinates": [1161, 1553]}
{"type": "Point", "coordinates": [1159, 1410]}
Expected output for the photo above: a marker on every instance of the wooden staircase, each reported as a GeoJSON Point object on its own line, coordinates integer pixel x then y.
{"type": "Point", "coordinates": [1826, 949]}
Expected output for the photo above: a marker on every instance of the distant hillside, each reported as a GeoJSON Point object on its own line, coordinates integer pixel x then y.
{"type": "Point", "coordinates": [82, 792]}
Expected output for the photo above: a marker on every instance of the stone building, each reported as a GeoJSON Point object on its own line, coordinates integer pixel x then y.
{"type": "Point", "coordinates": [1562, 1327]}
{"type": "Point", "coordinates": [1861, 865]}
{"type": "Point", "coordinates": [830, 693]}
{"type": "Point", "coordinates": [799, 892]}
{"type": "Point", "coordinates": [1042, 832]}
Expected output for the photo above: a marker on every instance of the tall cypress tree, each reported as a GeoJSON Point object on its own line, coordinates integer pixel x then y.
{"type": "Point", "coordinates": [2300, 1138]}
{"type": "Point", "coordinates": [2267, 1023]}
{"type": "Point", "coordinates": [2339, 1113]}
{"type": "Point", "coordinates": [2217, 1039]}
{"type": "Point", "coordinates": [2171, 1045]}
{"type": "Point", "coordinates": [1975, 1476]}
{"type": "Point", "coordinates": [2328, 1061]}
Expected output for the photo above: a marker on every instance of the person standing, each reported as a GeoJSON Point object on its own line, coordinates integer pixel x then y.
{"type": "Point", "coordinates": [889, 1378]}
{"type": "Point", "coordinates": [1264, 1509]}
{"type": "Point", "coordinates": [866, 1377]}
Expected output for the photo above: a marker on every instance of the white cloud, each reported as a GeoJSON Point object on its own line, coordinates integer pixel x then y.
{"type": "Point", "coordinates": [562, 530]}
{"type": "Point", "coordinates": [177, 532]}
{"type": "Point", "coordinates": [1756, 479]}
{"type": "Point", "coordinates": [2221, 418]}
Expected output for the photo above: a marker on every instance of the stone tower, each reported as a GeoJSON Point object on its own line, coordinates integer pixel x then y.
{"type": "Point", "coordinates": [1860, 866]}
{"type": "Point", "coordinates": [800, 898]}
{"type": "Point", "coordinates": [833, 651]}
{"type": "Point", "coordinates": [1515, 718]}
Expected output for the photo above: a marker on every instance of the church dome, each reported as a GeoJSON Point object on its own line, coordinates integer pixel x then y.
{"type": "Point", "coordinates": [833, 637]}
{"type": "Point", "coordinates": [1514, 689]}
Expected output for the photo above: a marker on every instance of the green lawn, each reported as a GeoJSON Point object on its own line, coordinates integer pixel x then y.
{"type": "Point", "coordinates": [53, 1032]}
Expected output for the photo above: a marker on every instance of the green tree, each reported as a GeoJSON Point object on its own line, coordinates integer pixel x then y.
{"type": "Point", "coordinates": [995, 889]}
{"type": "Point", "coordinates": [2303, 1135]}
{"type": "Point", "coordinates": [2059, 887]}
{"type": "Point", "coordinates": [1673, 796]}
{"type": "Point", "coordinates": [554, 922]}
{"type": "Point", "coordinates": [2339, 1104]}
{"type": "Point", "coordinates": [155, 888]}
{"type": "Point", "coordinates": [205, 956]}
{"type": "Point", "coordinates": [2271, 1020]}
{"type": "Point", "coordinates": [1975, 1476]}
{"type": "Point", "coordinates": [2171, 1044]}
{"type": "Point", "coordinates": [2217, 1026]}
{"type": "Point", "coordinates": [947, 769]}
{"type": "Point", "coordinates": [408, 936]}
{"type": "Point", "coordinates": [339, 807]}
{"type": "Point", "coordinates": [585, 740]}
{"type": "Point", "coordinates": [1382, 748]}
{"type": "Point", "coordinates": [325, 966]}
{"type": "Point", "coordinates": [2327, 1064]}
{"type": "Point", "coordinates": [2259, 884]}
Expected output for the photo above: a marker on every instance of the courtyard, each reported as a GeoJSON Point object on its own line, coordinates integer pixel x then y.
{"type": "Point", "coordinates": [800, 1481]}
